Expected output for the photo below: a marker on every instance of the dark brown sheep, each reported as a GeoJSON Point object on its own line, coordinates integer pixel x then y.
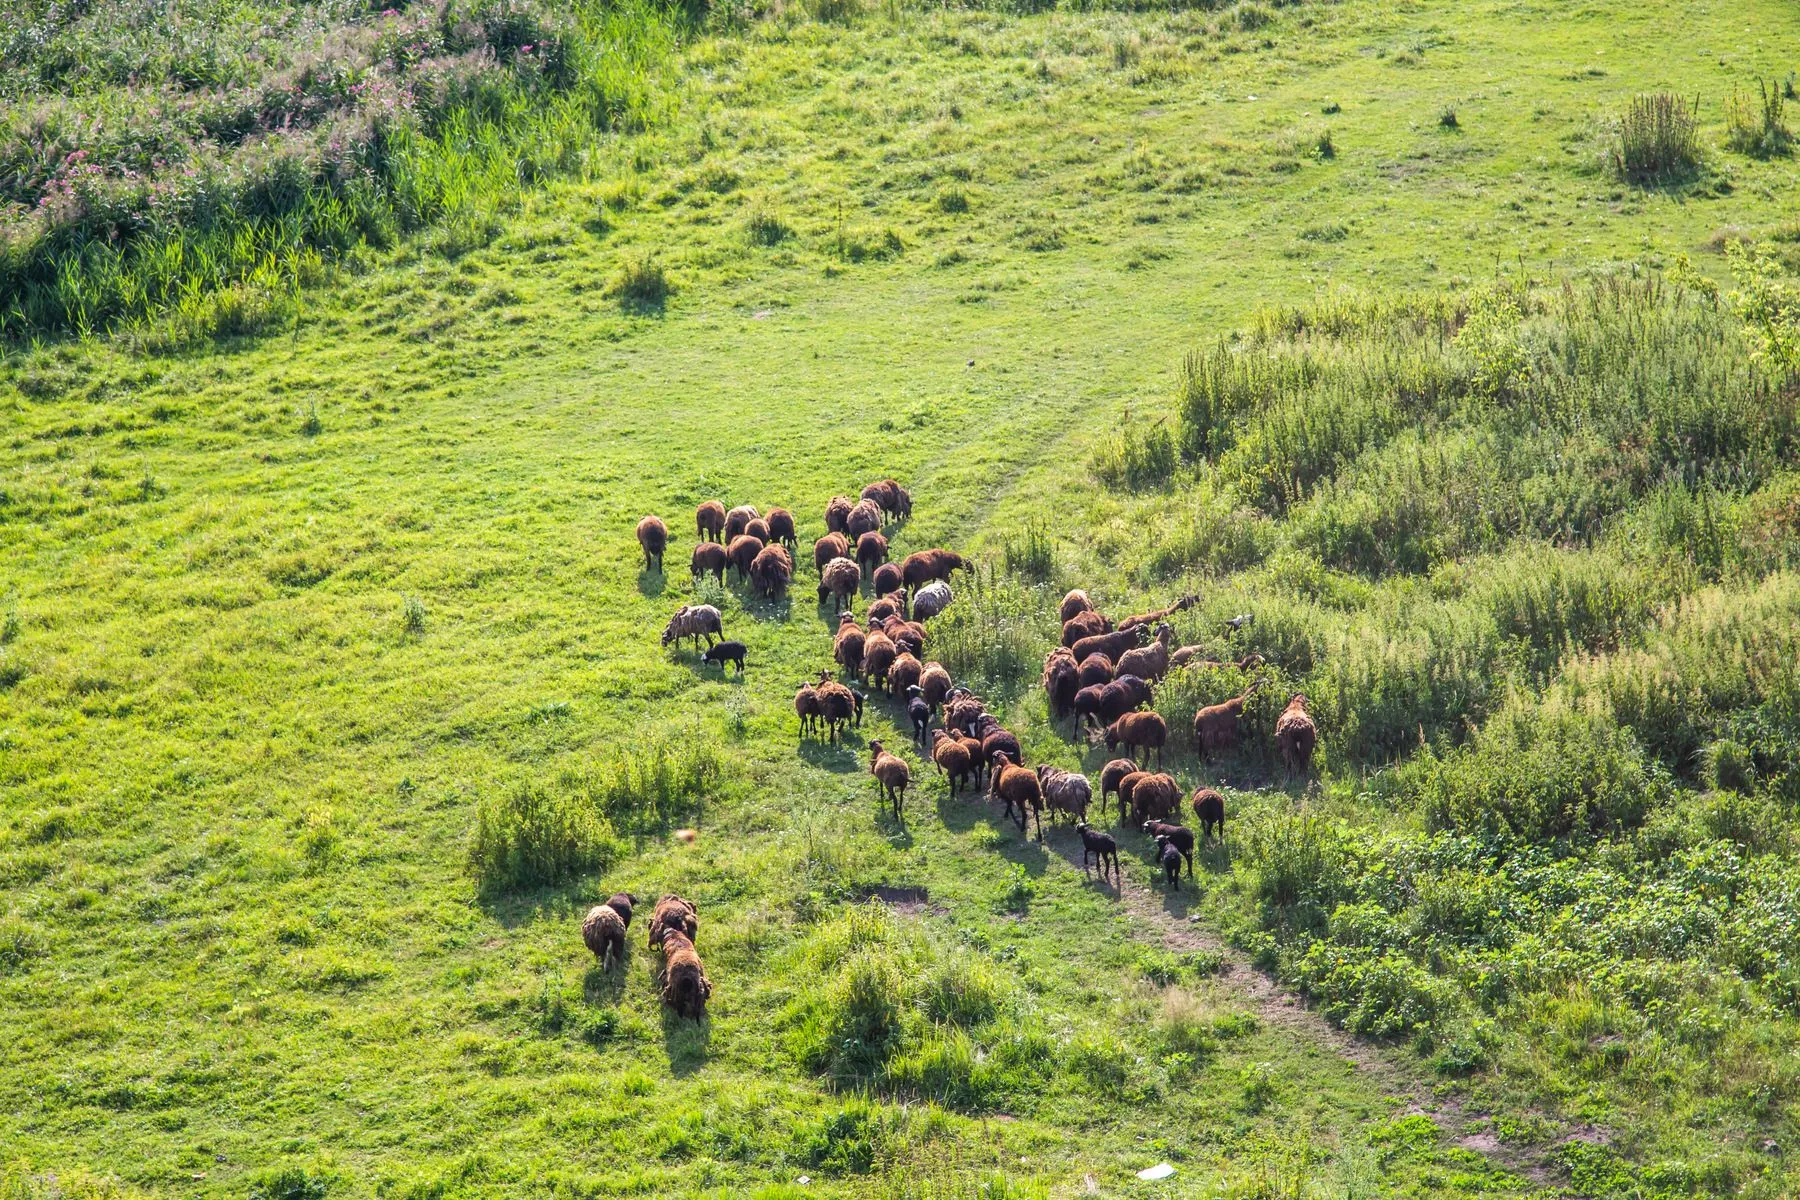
{"type": "Point", "coordinates": [904, 673]}
{"type": "Point", "coordinates": [1149, 662]}
{"type": "Point", "coordinates": [653, 536]}
{"type": "Point", "coordinates": [1018, 787]}
{"type": "Point", "coordinates": [1155, 798]}
{"type": "Point", "coordinates": [879, 653]}
{"type": "Point", "coordinates": [882, 495]}
{"type": "Point", "coordinates": [840, 580]}
{"type": "Point", "coordinates": [710, 558]}
{"type": "Point", "coordinates": [919, 569]}
{"type": "Point", "coordinates": [1209, 810]}
{"type": "Point", "coordinates": [1161, 614]}
{"type": "Point", "coordinates": [887, 579]}
{"type": "Point", "coordinates": [953, 758]}
{"type": "Point", "coordinates": [837, 513]}
{"type": "Point", "coordinates": [1107, 703]}
{"type": "Point", "coordinates": [1103, 849]}
{"type": "Point", "coordinates": [1084, 624]}
{"type": "Point", "coordinates": [908, 635]}
{"type": "Point", "coordinates": [832, 545]}
{"type": "Point", "coordinates": [864, 518]}
{"type": "Point", "coordinates": [1113, 645]}
{"type": "Point", "coordinates": [1138, 731]}
{"type": "Point", "coordinates": [1061, 681]}
{"type": "Point", "coordinates": [808, 708]}
{"type": "Point", "coordinates": [781, 528]}
{"type": "Point", "coordinates": [887, 604]}
{"type": "Point", "coordinates": [709, 522]}
{"type": "Point", "coordinates": [1096, 670]}
{"type": "Point", "coordinates": [1111, 774]}
{"type": "Point", "coordinates": [1216, 725]}
{"type": "Point", "coordinates": [1296, 735]}
{"type": "Point", "coordinates": [962, 711]}
{"type": "Point", "coordinates": [1065, 791]}
{"type": "Point", "coordinates": [1075, 602]}
{"type": "Point", "coordinates": [771, 570]}
{"type": "Point", "coordinates": [1178, 836]}
{"type": "Point", "coordinates": [673, 914]}
{"type": "Point", "coordinates": [998, 741]}
{"type": "Point", "coordinates": [1128, 785]}
{"type": "Point", "coordinates": [603, 929]}
{"type": "Point", "coordinates": [686, 989]}
{"type": "Point", "coordinates": [894, 776]}
{"type": "Point", "coordinates": [935, 684]}
{"type": "Point", "coordinates": [847, 647]}
{"type": "Point", "coordinates": [838, 705]}
{"type": "Point", "coordinates": [871, 551]}
{"type": "Point", "coordinates": [742, 551]}
{"type": "Point", "coordinates": [758, 528]}
{"type": "Point", "coordinates": [738, 520]}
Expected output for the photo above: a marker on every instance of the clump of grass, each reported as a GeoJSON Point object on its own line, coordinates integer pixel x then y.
{"type": "Point", "coordinates": [1031, 555]}
{"type": "Point", "coordinates": [641, 284]}
{"type": "Point", "coordinates": [534, 837]}
{"type": "Point", "coordinates": [1758, 128]}
{"type": "Point", "coordinates": [996, 634]}
{"type": "Point", "coordinates": [652, 783]}
{"type": "Point", "coordinates": [953, 200]}
{"type": "Point", "coordinates": [412, 615]}
{"type": "Point", "coordinates": [1250, 17]}
{"type": "Point", "coordinates": [1332, 108]}
{"type": "Point", "coordinates": [1323, 148]}
{"type": "Point", "coordinates": [1447, 119]}
{"type": "Point", "coordinates": [764, 228]}
{"type": "Point", "coordinates": [1657, 139]}
{"type": "Point", "coordinates": [311, 425]}
{"type": "Point", "coordinates": [1137, 456]}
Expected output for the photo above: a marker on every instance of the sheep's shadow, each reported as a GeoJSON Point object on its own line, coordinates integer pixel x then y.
{"type": "Point", "coordinates": [687, 1043]}
{"type": "Point", "coordinates": [722, 672]}
{"type": "Point", "coordinates": [841, 758]}
{"type": "Point", "coordinates": [959, 813]}
{"type": "Point", "coordinates": [603, 986]}
{"type": "Point", "coordinates": [1065, 842]}
{"type": "Point", "coordinates": [652, 583]}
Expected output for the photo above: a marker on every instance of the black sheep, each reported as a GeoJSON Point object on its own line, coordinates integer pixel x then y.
{"type": "Point", "coordinates": [1103, 849]}
{"type": "Point", "coordinates": [1170, 858]}
{"type": "Point", "coordinates": [725, 652]}
{"type": "Point", "coordinates": [1178, 836]}
{"type": "Point", "coordinates": [919, 710]}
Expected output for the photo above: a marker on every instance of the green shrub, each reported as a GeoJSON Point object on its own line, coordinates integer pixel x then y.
{"type": "Point", "coordinates": [1757, 127]}
{"type": "Point", "coordinates": [764, 228]}
{"type": "Point", "coordinates": [533, 837]}
{"type": "Point", "coordinates": [1031, 555]}
{"type": "Point", "coordinates": [640, 283]}
{"type": "Point", "coordinates": [997, 633]}
{"type": "Point", "coordinates": [1372, 992]}
{"type": "Point", "coordinates": [1657, 139]}
{"type": "Point", "coordinates": [843, 1143]}
{"type": "Point", "coordinates": [1137, 456]}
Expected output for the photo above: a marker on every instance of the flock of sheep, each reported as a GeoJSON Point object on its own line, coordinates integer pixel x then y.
{"type": "Point", "coordinates": [1102, 677]}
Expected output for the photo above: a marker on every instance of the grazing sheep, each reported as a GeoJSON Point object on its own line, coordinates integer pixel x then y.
{"type": "Point", "coordinates": [878, 657]}
{"type": "Point", "coordinates": [977, 764]}
{"type": "Point", "coordinates": [1086, 623]}
{"type": "Point", "coordinates": [888, 604]}
{"type": "Point", "coordinates": [1155, 798]}
{"type": "Point", "coordinates": [1296, 734]}
{"type": "Point", "coordinates": [902, 501]}
{"type": "Point", "coordinates": [997, 740]}
{"type": "Point", "coordinates": [1216, 725]}
{"type": "Point", "coordinates": [1170, 858]}
{"type": "Point", "coordinates": [838, 705]}
{"type": "Point", "coordinates": [953, 758]}
{"type": "Point", "coordinates": [603, 929]}
{"type": "Point", "coordinates": [1096, 670]}
{"type": "Point", "coordinates": [1075, 602]}
{"type": "Point", "coordinates": [832, 545]}
{"type": "Point", "coordinates": [809, 708]}
{"type": "Point", "coordinates": [742, 551]}
{"type": "Point", "coordinates": [871, 551]}
{"type": "Point", "coordinates": [1018, 787]}
{"type": "Point", "coordinates": [737, 521]}
{"type": "Point", "coordinates": [864, 518]}
{"type": "Point", "coordinates": [1065, 791]}
{"type": "Point", "coordinates": [1161, 614]}
{"type": "Point", "coordinates": [892, 773]}
{"type": "Point", "coordinates": [1149, 662]}
{"type": "Point", "coordinates": [1061, 681]}
{"type": "Point", "coordinates": [840, 580]}
{"type": "Point", "coordinates": [1124, 694]}
{"type": "Point", "coordinates": [709, 558]}
{"type": "Point", "coordinates": [686, 989]}
{"type": "Point", "coordinates": [1086, 705]}
{"type": "Point", "coordinates": [1111, 774]}
{"type": "Point", "coordinates": [709, 522]}
{"type": "Point", "coordinates": [918, 711]}
{"type": "Point", "coordinates": [837, 513]}
{"type": "Point", "coordinates": [1194, 655]}
{"type": "Point", "coordinates": [771, 570]}
{"type": "Point", "coordinates": [847, 646]}
{"type": "Point", "coordinates": [781, 528]}
{"type": "Point", "coordinates": [887, 579]}
{"type": "Point", "coordinates": [1209, 810]}
{"type": "Point", "coordinates": [1103, 849]}
{"type": "Point", "coordinates": [1178, 836]}
{"type": "Point", "coordinates": [694, 621]}
{"type": "Point", "coordinates": [1138, 730]}
{"type": "Point", "coordinates": [725, 652]}
{"type": "Point", "coordinates": [653, 536]}
{"type": "Point", "coordinates": [673, 915]}
{"type": "Point", "coordinates": [759, 529]}
{"type": "Point", "coordinates": [1113, 645]}
{"type": "Point", "coordinates": [934, 683]}
{"type": "Point", "coordinates": [904, 674]}
{"type": "Point", "coordinates": [919, 569]}
{"type": "Point", "coordinates": [1249, 662]}
{"type": "Point", "coordinates": [932, 599]}
{"type": "Point", "coordinates": [893, 500]}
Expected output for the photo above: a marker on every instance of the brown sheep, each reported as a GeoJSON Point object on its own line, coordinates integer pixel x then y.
{"type": "Point", "coordinates": [808, 708]}
{"type": "Point", "coordinates": [1149, 662]}
{"type": "Point", "coordinates": [963, 711]}
{"type": "Point", "coordinates": [894, 776]}
{"type": "Point", "coordinates": [1096, 670]}
{"type": "Point", "coordinates": [1195, 655]}
{"type": "Point", "coordinates": [673, 914]}
{"type": "Point", "coordinates": [1105, 704]}
{"type": "Point", "coordinates": [832, 545]}
{"type": "Point", "coordinates": [781, 528]}
{"type": "Point", "coordinates": [902, 500]}
{"type": "Point", "coordinates": [1086, 623]}
{"type": "Point", "coordinates": [1296, 734]}
{"type": "Point", "coordinates": [738, 520]}
{"type": "Point", "coordinates": [1075, 602]}
{"type": "Point", "coordinates": [1209, 810]}
{"type": "Point", "coordinates": [838, 704]}
{"type": "Point", "coordinates": [1135, 730]}
{"type": "Point", "coordinates": [694, 621]}
{"type": "Point", "coordinates": [888, 604]}
{"type": "Point", "coordinates": [977, 764]}
{"type": "Point", "coordinates": [742, 551]}
{"type": "Point", "coordinates": [837, 514]}
{"type": "Point", "coordinates": [919, 569]}
{"type": "Point", "coordinates": [904, 673]}
{"type": "Point", "coordinates": [953, 759]}
{"type": "Point", "coordinates": [1019, 788]}
{"type": "Point", "coordinates": [686, 989]}
{"type": "Point", "coordinates": [709, 522]}
{"type": "Point", "coordinates": [1128, 785]}
{"type": "Point", "coordinates": [1065, 791]}
{"type": "Point", "coordinates": [934, 682]}
{"type": "Point", "coordinates": [840, 580]}
{"type": "Point", "coordinates": [1161, 614]}
{"type": "Point", "coordinates": [1155, 798]}
{"type": "Point", "coordinates": [710, 558]}
{"type": "Point", "coordinates": [998, 741]}
{"type": "Point", "coordinates": [1113, 645]}
{"type": "Point", "coordinates": [758, 528]}
{"type": "Point", "coordinates": [888, 579]}
{"type": "Point", "coordinates": [878, 657]}
{"type": "Point", "coordinates": [1060, 682]}
{"type": "Point", "coordinates": [871, 551]}
{"type": "Point", "coordinates": [864, 518]}
{"type": "Point", "coordinates": [653, 536]}
{"type": "Point", "coordinates": [847, 646]}
{"type": "Point", "coordinates": [1216, 725]}
{"type": "Point", "coordinates": [603, 929]}
{"type": "Point", "coordinates": [1111, 774]}
{"type": "Point", "coordinates": [882, 496]}
{"type": "Point", "coordinates": [908, 635]}
{"type": "Point", "coordinates": [771, 570]}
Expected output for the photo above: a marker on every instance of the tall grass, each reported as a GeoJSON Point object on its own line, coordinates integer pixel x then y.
{"type": "Point", "coordinates": [1657, 139]}
{"type": "Point", "coordinates": [1757, 126]}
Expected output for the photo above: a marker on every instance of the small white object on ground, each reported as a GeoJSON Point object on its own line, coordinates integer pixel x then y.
{"type": "Point", "coordinates": [1159, 1171]}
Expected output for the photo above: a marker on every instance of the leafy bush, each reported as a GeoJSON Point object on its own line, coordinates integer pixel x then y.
{"type": "Point", "coordinates": [1657, 139]}
{"type": "Point", "coordinates": [532, 837]}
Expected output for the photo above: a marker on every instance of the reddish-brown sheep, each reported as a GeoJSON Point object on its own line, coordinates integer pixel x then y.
{"type": "Point", "coordinates": [771, 570]}
{"type": "Point", "coordinates": [953, 759]}
{"type": "Point", "coordinates": [756, 527]}
{"type": "Point", "coordinates": [808, 708]}
{"type": "Point", "coordinates": [920, 568]}
{"type": "Point", "coordinates": [1112, 773]}
{"type": "Point", "coordinates": [1296, 735]}
{"type": "Point", "coordinates": [1061, 681]}
{"type": "Point", "coordinates": [1019, 788]}
{"type": "Point", "coordinates": [888, 604]}
{"type": "Point", "coordinates": [710, 558]}
{"type": "Point", "coordinates": [904, 673]}
{"type": "Point", "coordinates": [871, 551]}
{"type": "Point", "coordinates": [653, 536]}
{"type": "Point", "coordinates": [1161, 614]}
{"type": "Point", "coordinates": [1155, 798]}
{"type": "Point", "coordinates": [673, 914]}
{"type": "Point", "coordinates": [1209, 810]}
{"type": "Point", "coordinates": [1096, 670]}
{"type": "Point", "coordinates": [1216, 725]}
{"type": "Point", "coordinates": [709, 521]}
{"type": "Point", "coordinates": [832, 545]}
{"type": "Point", "coordinates": [1086, 623]}
{"type": "Point", "coordinates": [837, 513]}
{"type": "Point", "coordinates": [781, 528]}
{"type": "Point", "coordinates": [839, 705]}
{"type": "Point", "coordinates": [742, 551]}
{"type": "Point", "coordinates": [1113, 645]}
{"type": "Point", "coordinates": [847, 646]}
{"type": "Point", "coordinates": [935, 683]}
{"type": "Point", "coordinates": [878, 657]}
{"type": "Point", "coordinates": [1075, 602]}
{"type": "Point", "coordinates": [603, 929]}
{"type": "Point", "coordinates": [1149, 662]}
{"type": "Point", "coordinates": [888, 579]}
{"type": "Point", "coordinates": [738, 520]}
{"type": "Point", "coordinates": [1139, 731]}
{"type": "Point", "coordinates": [894, 776]}
{"type": "Point", "coordinates": [686, 989]}
{"type": "Point", "coordinates": [865, 517]}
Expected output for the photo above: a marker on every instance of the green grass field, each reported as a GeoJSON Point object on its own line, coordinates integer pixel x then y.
{"type": "Point", "coordinates": [282, 613]}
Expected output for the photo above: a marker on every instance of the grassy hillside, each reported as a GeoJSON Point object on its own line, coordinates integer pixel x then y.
{"type": "Point", "coordinates": [280, 617]}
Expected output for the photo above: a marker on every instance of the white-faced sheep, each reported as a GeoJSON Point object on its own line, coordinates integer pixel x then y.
{"type": "Point", "coordinates": [653, 537]}
{"type": "Point", "coordinates": [931, 600]}
{"type": "Point", "coordinates": [840, 581]}
{"type": "Point", "coordinates": [603, 929]}
{"type": "Point", "coordinates": [894, 776]}
{"type": "Point", "coordinates": [1018, 787]}
{"type": "Point", "coordinates": [1137, 731]}
{"type": "Point", "coordinates": [694, 621]}
{"type": "Point", "coordinates": [832, 545]}
{"type": "Point", "coordinates": [1296, 735]}
{"type": "Point", "coordinates": [709, 521]}
{"type": "Point", "coordinates": [709, 559]}
{"type": "Point", "coordinates": [738, 520]}
{"type": "Point", "coordinates": [1065, 791]}
{"type": "Point", "coordinates": [686, 989]}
